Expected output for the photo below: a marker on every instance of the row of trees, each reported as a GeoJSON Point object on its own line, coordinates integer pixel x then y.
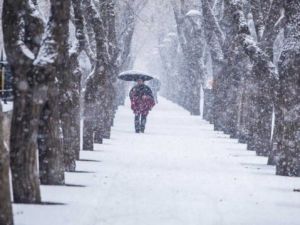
{"type": "Point", "coordinates": [245, 55]}
{"type": "Point", "coordinates": [45, 55]}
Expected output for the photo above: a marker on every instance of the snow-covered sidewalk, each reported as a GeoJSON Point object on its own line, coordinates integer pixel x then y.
{"type": "Point", "coordinates": [180, 172]}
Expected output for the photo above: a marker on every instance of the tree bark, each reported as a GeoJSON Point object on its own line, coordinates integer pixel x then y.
{"type": "Point", "coordinates": [95, 94]}
{"type": "Point", "coordinates": [266, 16]}
{"type": "Point", "coordinates": [55, 45]}
{"type": "Point", "coordinates": [191, 42]}
{"type": "Point", "coordinates": [289, 96]}
{"type": "Point", "coordinates": [22, 28]}
{"type": "Point", "coordinates": [215, 41]}
{"type": "Point", "coordinates": [6, 215]}
{"type": "Point", "coordinates": [72, 89]}
{"type": "Point", "coordinates": [265, 72]}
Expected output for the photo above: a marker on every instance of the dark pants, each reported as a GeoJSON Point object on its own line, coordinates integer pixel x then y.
{"type": "Point", "coordinates": [140, 122]}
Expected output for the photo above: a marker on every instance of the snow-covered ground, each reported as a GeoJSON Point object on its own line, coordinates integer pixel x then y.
{"type": "Point", "coordinates": [180, 172]}
{"type": "Point", "coordinates": [7, 107]}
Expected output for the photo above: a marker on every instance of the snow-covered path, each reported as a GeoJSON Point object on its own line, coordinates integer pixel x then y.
{"type": "Point", "coordinates": [180, 172]}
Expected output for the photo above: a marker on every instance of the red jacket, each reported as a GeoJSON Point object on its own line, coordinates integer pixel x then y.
{"type": "Point", "coordinates": [142, 100]}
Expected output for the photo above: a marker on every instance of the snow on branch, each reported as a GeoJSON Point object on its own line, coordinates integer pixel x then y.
{"type": "Point", "coordinates": [80, 41]}
{"type": "Point", "coordinates": [34, 12]}
{"type": "Point", "coordinates": [275, 21]}
{"type": "Point", "coordinates": [22, 30]}
{"type": "Point", "coordinates": [37, 20]}
{"type": "Point", "coordinates": [49, 49]}
{"type": "Point", "coordinates": [193, 13]}
{"type": "Point", "coordinates": [21, 41]}
{"type": "Point", "coordinates": [211, 21]}
{"type": "Point", "coordinates": [25, 50]}
{"type": "Point", "coordinates": [281, 19]}
{"type": "Point", "coordinates": [75, 49]}
{"type": "Point", "coordinates": [46, 56]}
{"type": "Point", "coordinates": [92, 16]}
{"type": "Point", "coordinates": [248, 43]}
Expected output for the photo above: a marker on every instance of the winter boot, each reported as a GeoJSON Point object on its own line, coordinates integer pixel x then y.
{"type": "Point", "coordinates": [137, 124]}
{"type": "Point", "coordinates": [143, 123]}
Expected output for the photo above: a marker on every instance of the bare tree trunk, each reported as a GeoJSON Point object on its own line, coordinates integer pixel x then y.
{"type": "Point", "coordinates": [245, 105]}
{"type": "Point", "coordinates": [192, 46]}
{"type": "Point", "coordinates": [234, 92]}
{"type": "Point", "coordinates": [22, 33]}
{"type": "Point", "coordinates": [88, 135]}
{"type": "Point", "coordinates": [262, 107]}
{"type": "Point", "coordinates": [55, 44]}
{"type": "Point", "coordinates": [94, 98]}
{"type": "Point", "coordinates": [108, 16]}
{"type": "Point", "coordinates": [100, 93]}
{"type": "Point", "coordinates": [71, 87]}
{"type": "Point", "coordinates": [226, 85]}
{"type": "Point", "coordinates": [260, 131]}
{"type": "Point", "coordinates": [77, 74]}
{"type": "Point", "coordinates": [208, 105]}
{"type": "Point", "coordinates": [215, 40]}
{"type": "Point", "coordinates": [51, 155]}
{"type": "Point", "coordinates": [6, 216]}
{"type": "Point", "coordinates": [289, 142]}
{"type": "Point", "coordinates": [267, 23]}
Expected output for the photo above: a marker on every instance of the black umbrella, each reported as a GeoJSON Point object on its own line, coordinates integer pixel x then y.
{"type": "Point", "coordinates": [133, 75]}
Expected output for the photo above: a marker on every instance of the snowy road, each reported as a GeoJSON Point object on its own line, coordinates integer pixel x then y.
{"type": "Point", "coordinates": [180, 172]}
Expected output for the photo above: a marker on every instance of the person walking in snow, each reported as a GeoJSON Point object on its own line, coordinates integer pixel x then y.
{"type": "Point", "coordinates": [142, 101]}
